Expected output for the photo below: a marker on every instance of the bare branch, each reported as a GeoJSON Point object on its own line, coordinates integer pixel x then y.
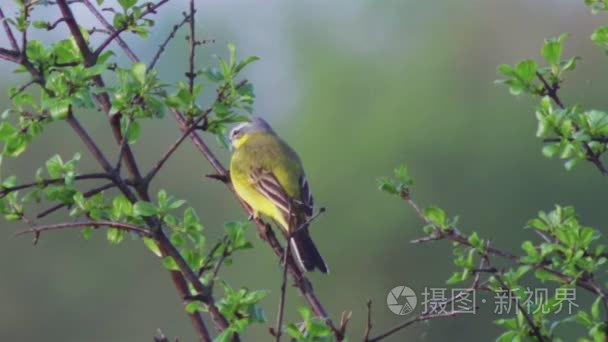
{"type": "Point", "coordinates": [164, 44]}
{"type": "Point", "coordinates": [9, 55]}
{"type": "Point", "coordinates": [278, 330]}
{"type": "Point", "coordinates": [419, 318]}
{"type": "Point", "coordinates": [368, 330]}
{"type": "Point", "coordinates": [159, 164]}
{"type": "Point", "coordinates": [9, 31]}
{"type": "Point", "coordinates": [191, 75]}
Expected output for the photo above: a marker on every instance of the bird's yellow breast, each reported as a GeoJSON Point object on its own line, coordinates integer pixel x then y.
{"type": "Point", "coordinates": [264, 151]}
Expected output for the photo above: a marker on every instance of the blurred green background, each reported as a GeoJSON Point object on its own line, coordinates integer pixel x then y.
{"type": "Point", "coordinates": [357, 87]}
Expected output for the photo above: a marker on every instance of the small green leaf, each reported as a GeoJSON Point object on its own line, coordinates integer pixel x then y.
{"type": "Point", "coordinates": [552, 51]}
{"type": "Point", "coordinates": [144, 209]}
{"type": "Point", "coordinates": [152, 246]}
{"type": "Point", "coordinates": [526, 70]}
{"type": "Point", "coordinates": [436, 216]}
{"type": "Point", "coordinates": [170, 264]}
{"type": "Point", "coordinates": [139, 72]}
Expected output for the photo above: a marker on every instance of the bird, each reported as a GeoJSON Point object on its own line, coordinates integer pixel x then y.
{"type": "Point", "coordinates": [268, 176]}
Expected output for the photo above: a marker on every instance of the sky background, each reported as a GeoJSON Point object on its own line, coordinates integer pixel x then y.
{"type": "Point", "coordinates": [357, 88]}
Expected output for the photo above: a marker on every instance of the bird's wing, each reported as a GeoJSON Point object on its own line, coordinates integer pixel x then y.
{"type": "Point", "coordinates": [307, 200]}
{"type": "Point", "coordinates": [267, 184]}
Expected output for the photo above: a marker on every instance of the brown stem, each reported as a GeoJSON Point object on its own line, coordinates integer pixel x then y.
{"type": "Point", "coordinates": [281, 313]}
{"type": "Point", "coordinates": [45, 182]}
{"type": "Point", "coordinates": [87, 194]}
{"type": "Point", "coordinates": [9, 31]}
{"type": "Point", "coordinates": [164, 44]}
{"type": "Point", "coordinates": [551, 91]}
{"type": "Point", "coordinates": [420, 318]}
{"type": "Point", "coordinates": [159, 164]}
{"type": "Point", "coordinates": [529, 320]}
{"type": "Point", "coordinates": [190, 74]}
{"type": "Point", "coordinates": [100, 223]}
{"type": "Point", "coordinates": [116, 33]}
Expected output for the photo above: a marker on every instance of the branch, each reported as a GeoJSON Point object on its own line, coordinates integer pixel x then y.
{"type": "Point", "coordinates": [190, 74]}
{"type": "Point", "coordinates": [110, 30]}
{"type": "Point", "coordinates": [9, 55]}
{"type": "Point", "coordinates": [551, 91]}
{"type": "Point", "coordinates": [45, 182]}
{"type": "Point", "coordinates": [529, 320]}
{"type": "Point", "coordinates": [159, 164]}
{"type": "Point", "coordinates": [164, 44]}
{"type": "Point", "coordinates": [87, 194]}
{"type": "Point", "coordinates": [279, 325]}
{"type": "Point", "coordinates": [66, 12]}
{"type": "Point", "coordinates": [9, 31]}
{"type": "Point", "coordinates": [116, 33]}
{"type": "Point", "coordinates": [419, 318]}
{"type": "Point", "coordinates": [101, 223]}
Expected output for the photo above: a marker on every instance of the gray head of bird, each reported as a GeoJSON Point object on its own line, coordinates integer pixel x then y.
{"type": "Point", "coordinates": [255, 125]}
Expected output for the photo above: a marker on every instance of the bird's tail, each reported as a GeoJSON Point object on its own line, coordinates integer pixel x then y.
{"type": "Point", "coordinates": [306, 253]}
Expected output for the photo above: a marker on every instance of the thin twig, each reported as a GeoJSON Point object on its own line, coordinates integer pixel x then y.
{"type": "Point", "coordinates": [109, 29]}
{"type": "Point", "coordinates": [87, 194]}
{"type": "Point", "coordinates": [116, 33]}
{"type": "Point", "coordinates": [419, 318]}
{"type": "Point", "coordinates": [123, 144]}
{"type": "Point", "coordinates": [159, 164]}
{"type": "Point", "coordinates": [45, 182]}
{"type": "Point", "coordinates": [9, 31]}
{"type": "Point", "coordinates": [551, 91]}
{"type": "Point", "coordinates": [22, 88]}
{"type": "Point", "coordinates": [190, 74]}
{"type": "Point", "coordinates": [368, 329]}
{"type": "Point", "coordinates": [100, 223]}
{"type": "Point", "coordinates": [529, 320]}
{"type": "Point", "coordinates": [278, 330]}
{"type": "Point", "coordinates": [164, 44]}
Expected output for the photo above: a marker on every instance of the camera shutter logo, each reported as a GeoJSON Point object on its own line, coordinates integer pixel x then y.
{"type": "Point", "coordinates": [401, 300]}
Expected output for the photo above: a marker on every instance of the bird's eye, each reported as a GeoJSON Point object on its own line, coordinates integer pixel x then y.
{"type": "Point", "coordinates": [236, 133]}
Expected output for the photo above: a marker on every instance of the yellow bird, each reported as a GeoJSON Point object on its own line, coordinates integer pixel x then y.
{"type": "Point", "coordinates": [268, 175]}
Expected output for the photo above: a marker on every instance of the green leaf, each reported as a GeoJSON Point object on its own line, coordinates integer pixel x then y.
{"type": "Point", "coordinates": [59, 109]}
{"type": "Point", "coordinates": [152, 246]}
{"type": "Point", "coordinates": [436, 215]}
{"type": "Point", "coordinates": [86, 232]}
{"type": "Point", "coordinates": [170, 264]}
{"type": "Point", "coordinates": [552, 51]}
{"type": "Point", "coordinates": [139, 72]}
{"type": "Point", "coordinates": [526, 70]}
{"type": "Point", "coordinates": [142, 208]}
{"type": "Point", "coordinates": [193, 306]}
{"type": "Point", "coordinates": [126, 4]}
{"type": "Point", "coordinates": [133, 133]}
{"type": "Point", "coordinates": [115, 235]}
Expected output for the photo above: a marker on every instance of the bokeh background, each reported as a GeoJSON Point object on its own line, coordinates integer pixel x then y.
{"type": "Point", "coordinates": [357, 87]}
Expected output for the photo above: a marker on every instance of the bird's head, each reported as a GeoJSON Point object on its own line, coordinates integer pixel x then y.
{"type": "Point", "coordinates": [240, 133]}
